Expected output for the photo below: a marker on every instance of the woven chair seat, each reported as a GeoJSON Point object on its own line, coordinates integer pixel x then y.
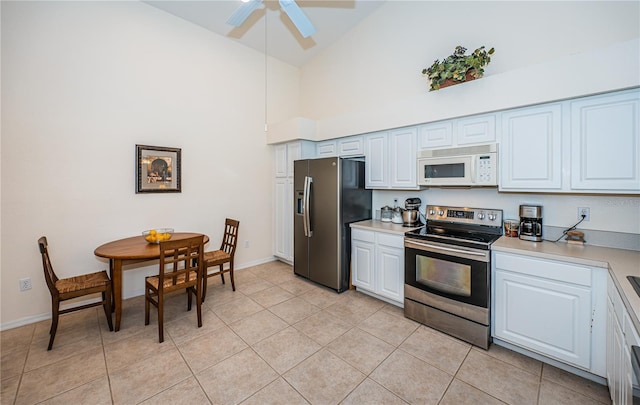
{"type": "Point", "coordinates": [82, 282]}
{"type": "Point", "coordinates": [222, 256]}
{"type": "Point", "coordinates": [217, 256]}
{"type": "Point", "coordinates": [180, 268]}
{"type": "Point", "coordinates": [73, 287]}
{"type": "Point", "coordinates": [168, 281]}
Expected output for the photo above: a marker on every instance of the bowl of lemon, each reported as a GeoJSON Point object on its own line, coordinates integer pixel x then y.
{"type": "Point", "coordinates": [157, 235]}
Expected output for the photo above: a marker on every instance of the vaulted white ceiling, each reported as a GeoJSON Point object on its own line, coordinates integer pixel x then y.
{"type": "Point", "coordinates": [332, 19]}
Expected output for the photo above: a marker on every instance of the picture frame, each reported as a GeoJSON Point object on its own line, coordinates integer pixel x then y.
{"type": "Point", "coordinates": [158, 169]}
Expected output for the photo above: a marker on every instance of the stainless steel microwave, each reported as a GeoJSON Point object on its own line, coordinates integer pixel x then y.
{"type": "Point", "coordinates": [464, 166]}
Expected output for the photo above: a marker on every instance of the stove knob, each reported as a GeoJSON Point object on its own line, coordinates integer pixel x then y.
{"type": "Point", "coordinates": [441, 213]}
{"type": "Point", "coordinates": [480, 216]}
{"type": "Point", "coordinates": [492, 217]}
{"type": "Point", "coordinates": [432, 212]}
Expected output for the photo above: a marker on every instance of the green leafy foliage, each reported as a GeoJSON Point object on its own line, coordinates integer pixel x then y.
{"type": "Point", "coordinates": [456, 66]}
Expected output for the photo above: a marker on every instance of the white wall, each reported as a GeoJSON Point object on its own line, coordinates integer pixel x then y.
{"type": "Point", "coordinates": [371, 79]}
{"type": "Point", "coordinates": [82, 84]}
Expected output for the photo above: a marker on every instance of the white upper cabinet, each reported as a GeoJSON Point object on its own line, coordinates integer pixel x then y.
{"type": "Point", "coordinates": [458, 132]}
{"type": "Point", "coordinates": [351, 146]}
{"type": "Point", "coordinates": [476, 129]}
{"type": "Point", "coordinates": [530, 151]}
{"type": "Point", "coordinates": [298, 150]}
{"type": "Point", "coordinates": [391, 160]}
{"type": "Point", "coordinates": [436, 135]}
{"type": "Point", "coordinates": [605, 143]}
{"type": "Point", "coordinates": [586, 145]}
{"type": "Point", "coordinates": [403, 159]}
{"type": "Point", "coordinates": [344, 147]}
{"type": "Point", "coordinates": [377, 160]}
{"type": "Point", "coordinates": [327, 148]}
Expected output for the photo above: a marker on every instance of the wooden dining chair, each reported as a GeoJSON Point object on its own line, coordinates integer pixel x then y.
{"type": "Point", "coordinates": [73, 287]}
{"type": "Point", "coordinates": [222, 256]}
{"type": "Point", "coordinates": [181, 265]}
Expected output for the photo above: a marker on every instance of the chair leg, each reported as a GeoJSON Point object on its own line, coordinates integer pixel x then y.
{"type": "Point", "coordinates": [198, 306]}
{"type": "Point", "coordinates": [233, 284]}
{"type": "Point", "coordinates": [55, 307]}
{"type": "Point", "coordinates": [204, 286]}
{"type": "Point", "coordinates": [160, 316]}
{"type": "Point", "coordinates": [106, 305]}
{"type": "Point", "coordinates": [147, 297]}
{"type": "Point", "coordinates": [189, 290]}
{"type": "Point", "coordinates": [221, 267]}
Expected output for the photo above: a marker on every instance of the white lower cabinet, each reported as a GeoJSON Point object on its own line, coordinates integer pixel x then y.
{"type": "Point", "coordinates": [552, 308]}
{"type": "Point", "coordinates": [377, 264]}
{"type": "Point", "coordinates": [621, 335]}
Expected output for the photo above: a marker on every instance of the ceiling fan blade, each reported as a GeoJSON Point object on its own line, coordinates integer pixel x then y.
{"type": "Point", "coordinates": [298, 17]}
{"type": "Point", "coordinates": [242, 12]}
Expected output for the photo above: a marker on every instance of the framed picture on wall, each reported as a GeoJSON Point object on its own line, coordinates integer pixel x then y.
{"type": "Point", "coordinates": [158, 169]}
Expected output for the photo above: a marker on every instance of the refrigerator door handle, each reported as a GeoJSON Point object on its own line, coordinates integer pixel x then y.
{"type": "Point", "coordinates": [307, 213]}
{"type": "Point", "coordinates": [304, 206]}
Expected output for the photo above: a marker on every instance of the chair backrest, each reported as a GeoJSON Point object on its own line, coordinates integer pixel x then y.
{"type": "Point", "coordinates": [230, 239]}
{"type": "Point", "coordinates": [181, 257]}
{"type": "Point", "coordinates": [49, 274]}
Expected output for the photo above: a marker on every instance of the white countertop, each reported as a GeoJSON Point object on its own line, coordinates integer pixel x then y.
{"type": "Point", "coordinates": [620, 263]}
{"type": "Point", "coordinates": [379, 226]}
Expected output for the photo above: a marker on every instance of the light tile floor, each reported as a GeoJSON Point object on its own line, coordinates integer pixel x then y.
{"type": "Point", "coordinates": [278, 339]}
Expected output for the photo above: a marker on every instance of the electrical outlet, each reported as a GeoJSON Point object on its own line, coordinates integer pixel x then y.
{"type": "Point", "coordinates": [586, 211]}
{"type": "Point", "coordinates": [25, 284]}
{"type": "Point", "coordinates": [246, 243]}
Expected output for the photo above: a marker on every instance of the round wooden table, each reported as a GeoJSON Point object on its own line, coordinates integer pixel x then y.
{"type": "Point", "coordinates": [131, 250]}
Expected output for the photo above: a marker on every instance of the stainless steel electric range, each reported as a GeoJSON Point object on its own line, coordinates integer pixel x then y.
{"type": "Point", "coordinates": [448, 269]}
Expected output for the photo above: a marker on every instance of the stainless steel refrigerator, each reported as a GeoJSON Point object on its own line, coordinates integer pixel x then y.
{"type": "Point", "coordinates": [329, 194]}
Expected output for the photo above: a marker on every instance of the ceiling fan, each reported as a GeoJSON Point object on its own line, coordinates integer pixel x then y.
{"type": "Point", "coordinates": [290, 7]}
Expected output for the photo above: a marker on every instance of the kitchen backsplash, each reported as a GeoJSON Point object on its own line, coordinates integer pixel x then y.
{"type": "Point", "coordinates": [614, 220]}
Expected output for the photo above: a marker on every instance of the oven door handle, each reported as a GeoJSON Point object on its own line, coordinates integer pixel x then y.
{"type": "Point", "coordinates": [447, 249]}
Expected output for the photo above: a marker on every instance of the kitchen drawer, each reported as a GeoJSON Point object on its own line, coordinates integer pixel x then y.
{"type": "Point", "coordinates": [553, 270]}
{"type": "Point", "coordinates": [390, 240]}
{"type": "Point", "coordinates": [365, 236]}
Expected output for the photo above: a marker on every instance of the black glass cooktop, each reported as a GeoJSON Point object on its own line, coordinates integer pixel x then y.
{"type": "Point", "coordinates": [474, 236]}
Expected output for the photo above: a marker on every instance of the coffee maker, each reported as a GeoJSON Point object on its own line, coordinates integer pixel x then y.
{"type": "Point", "coordinates": [531, 223]}
{"type": "Point", "coordinates": [411, 214]}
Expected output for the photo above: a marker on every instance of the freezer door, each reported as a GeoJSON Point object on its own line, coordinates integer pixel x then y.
{"type": "Point", "coordinates": [324, 244]}
{"type": "Point", "coordinates": [300, 241]}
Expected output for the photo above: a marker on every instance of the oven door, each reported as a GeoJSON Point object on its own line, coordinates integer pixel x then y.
{"type": "Point", "coordinates": [458, 273]}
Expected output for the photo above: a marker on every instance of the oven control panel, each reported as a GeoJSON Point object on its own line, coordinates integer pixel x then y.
{"type": "Point", "coordinates": [465, 215]}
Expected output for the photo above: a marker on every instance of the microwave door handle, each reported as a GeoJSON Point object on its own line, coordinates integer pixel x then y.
{"type": "Point", "coordinates": [473, 169]}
